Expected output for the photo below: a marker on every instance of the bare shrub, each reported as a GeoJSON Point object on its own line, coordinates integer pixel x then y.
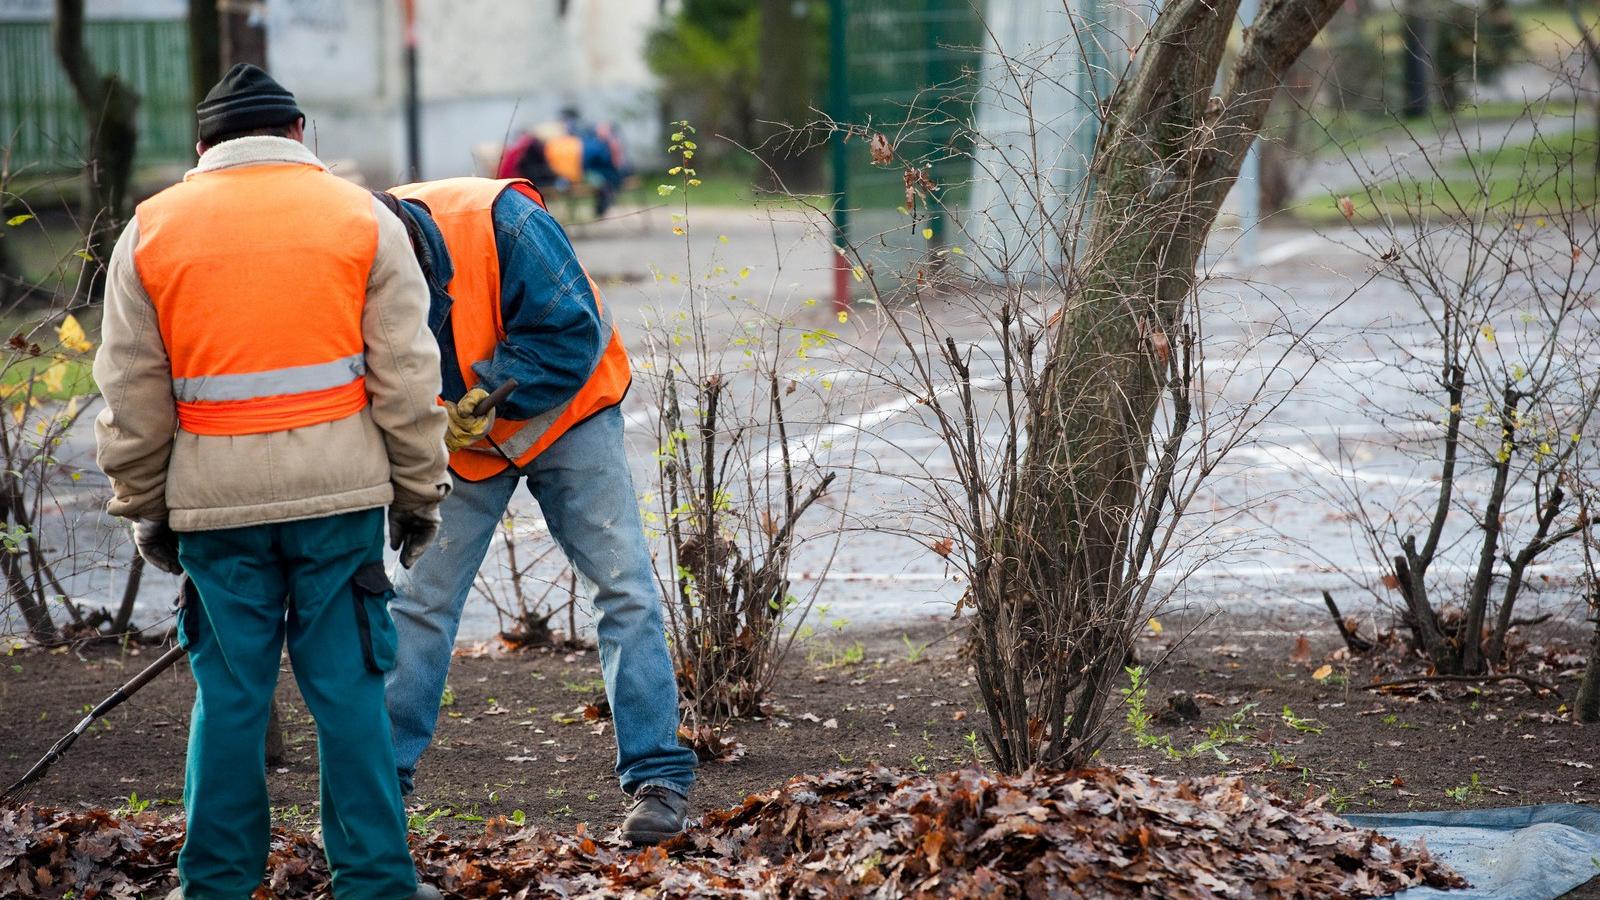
{"type": "Point", "coordinates": [1059, 349]}
{"type": "Point", "coordinates": [1486, 386]}
{"type": "Point", "coordinates": [725, 377]}
{"type": "Point", "coordinates": [524, 598]}
{"type": "Point", "coordinates": [46, 390]}
{"type": "Point", "coordinates": [1586, 706]}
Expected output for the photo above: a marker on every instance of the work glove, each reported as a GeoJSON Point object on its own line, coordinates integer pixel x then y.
{"type": "Point", "coordinates": [412, 530]}
{"type": "Point", "coordinates": [158, 544]}
{"type": "Point", "coordinates": [465, 427]}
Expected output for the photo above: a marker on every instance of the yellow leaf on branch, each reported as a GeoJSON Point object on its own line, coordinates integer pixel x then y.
{"type": "Point", "coordinates": [72, 335]}
{"type": "Point", "coordinates": [55, 377]}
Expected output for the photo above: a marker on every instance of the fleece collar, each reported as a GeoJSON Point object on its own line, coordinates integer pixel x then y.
{"type": "Point", "coordinates": [257, 149]}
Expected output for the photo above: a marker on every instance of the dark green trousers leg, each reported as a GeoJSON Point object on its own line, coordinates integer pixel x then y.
{"type": "Point", "coordinates": [319, 582]}
{"type": "Point", "coordinates": [234, 638]}
{"type": "Point", "coordinates": [341, 642]}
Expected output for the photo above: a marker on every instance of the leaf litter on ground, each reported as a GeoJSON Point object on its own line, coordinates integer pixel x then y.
{"type": "Point", "coordinates": [871, 832]}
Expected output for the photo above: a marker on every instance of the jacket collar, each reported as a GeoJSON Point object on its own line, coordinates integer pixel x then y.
{"type": "Point", "coordinates": [438, 268]}
{"type": "Point", "coordinates": [252, 151]}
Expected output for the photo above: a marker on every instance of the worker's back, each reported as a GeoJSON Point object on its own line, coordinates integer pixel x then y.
{"type": "Point", "coordinates": [259, 276]}
{"type": "Point", "coordinates": [289, 307]}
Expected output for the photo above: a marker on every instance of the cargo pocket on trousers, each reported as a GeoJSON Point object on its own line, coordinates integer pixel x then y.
{"type": "Point", "coordinates": [373, 593]}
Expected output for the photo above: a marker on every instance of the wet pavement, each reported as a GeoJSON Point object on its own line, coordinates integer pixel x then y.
{"type": "Point", "coordinates": [1269, 527]}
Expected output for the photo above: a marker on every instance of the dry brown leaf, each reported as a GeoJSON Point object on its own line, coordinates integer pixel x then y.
{"type": "Point", "coordinates": [965, 833]}
{"type": "Point", "coordinates": [1302, 650]}
{"type": "Point", "coordinates": [1161, 346]}
{"type": "Point", "coordinates": [882, 151]}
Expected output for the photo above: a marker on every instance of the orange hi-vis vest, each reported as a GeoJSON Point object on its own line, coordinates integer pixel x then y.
{"type": "Point", "coordinates": [463, 210]}
{"type": "Point", "coordinates": [259, 276]}
{"type": "Point", "coordinates": [563, 153]}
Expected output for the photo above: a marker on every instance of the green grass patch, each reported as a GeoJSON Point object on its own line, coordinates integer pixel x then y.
{"type": "Point", "coordinates": [1575, 149]}
{"type": "Point", "coordinates": [729, 189]}
{"type": "Point", "coordinates": [77, 380]}
{"type": "Point", "coordinates": [1545, 176]}
{"type": "Point", "coordinates": [1355, 131]}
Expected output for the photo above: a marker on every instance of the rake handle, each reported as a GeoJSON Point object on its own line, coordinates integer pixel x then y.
{"type": "Point", "coordinates": [498, 394]}
{"type": "Point", "coordinates": [121, 694]}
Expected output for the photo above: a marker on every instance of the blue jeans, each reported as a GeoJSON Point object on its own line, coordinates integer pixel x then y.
{"type": "Point", "coordinates": [586, 493]}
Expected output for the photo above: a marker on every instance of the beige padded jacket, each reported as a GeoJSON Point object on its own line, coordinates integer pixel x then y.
{"type": "Point", "coordinates": [390, 452]}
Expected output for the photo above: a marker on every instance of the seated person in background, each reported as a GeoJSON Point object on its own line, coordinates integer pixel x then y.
{"type": "Point", "coordinates": [557, 155]}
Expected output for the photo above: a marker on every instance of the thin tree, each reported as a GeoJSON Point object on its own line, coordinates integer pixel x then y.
{"type": "Point", "coordinates": [110, 108]}
{"type": "Point", "coordinates": [1168, 153]}
{"type": "Point", "coordinates": [787, 51]}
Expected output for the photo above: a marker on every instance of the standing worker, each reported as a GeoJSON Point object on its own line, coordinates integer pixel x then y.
{"type": "Point", "coordinates": [269, 382]}
{"type": "Point", "coordinates": [511, 302]}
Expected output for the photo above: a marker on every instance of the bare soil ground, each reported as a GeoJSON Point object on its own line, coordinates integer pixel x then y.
{"type": "Point", "coordinates": [514, 741]}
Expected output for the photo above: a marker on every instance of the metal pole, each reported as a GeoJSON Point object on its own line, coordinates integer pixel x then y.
{"type": "Point", "coordinates": [839, 111]}
{"type": "Point", "coordinates": [413, 111]}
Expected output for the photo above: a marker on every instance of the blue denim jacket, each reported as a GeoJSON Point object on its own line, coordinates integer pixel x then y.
{"type": "Point", "coordinates": [551, 319]}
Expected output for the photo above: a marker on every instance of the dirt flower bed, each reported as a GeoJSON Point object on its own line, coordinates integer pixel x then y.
{"type": "Point", "coordinates": [1101, 833]}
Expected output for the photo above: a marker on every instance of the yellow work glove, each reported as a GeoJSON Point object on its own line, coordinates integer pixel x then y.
{"type": "Point", "coordinates": [466, 428]}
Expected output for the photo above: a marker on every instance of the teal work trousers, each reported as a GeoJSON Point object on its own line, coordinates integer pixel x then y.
{"type": "Point", "coordinates": [320, 584]}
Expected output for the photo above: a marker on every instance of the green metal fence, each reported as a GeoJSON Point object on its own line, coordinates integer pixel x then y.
{"type": "Point", "coordinates": [907, 69]}
{"type": "Point", "coordinates": [39, 116]}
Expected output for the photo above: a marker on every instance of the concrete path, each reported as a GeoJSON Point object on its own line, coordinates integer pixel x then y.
{"type": "Point", "coordinates": [1266, 529]}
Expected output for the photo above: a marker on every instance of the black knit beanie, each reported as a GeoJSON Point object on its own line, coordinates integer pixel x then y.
{"type": "Point", "coordinates": [245, 99]}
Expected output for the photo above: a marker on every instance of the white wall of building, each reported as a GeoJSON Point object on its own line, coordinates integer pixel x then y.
{"type": "Point", "coordinates": [486, 67]}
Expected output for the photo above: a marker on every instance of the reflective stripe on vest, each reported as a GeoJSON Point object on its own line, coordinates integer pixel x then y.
{"type": "Point", "coordinates": [273, 383]}
{"type": "Point", "coordinates": [462, 208]}
{"type": "Point", "coordinates": [258, 275]}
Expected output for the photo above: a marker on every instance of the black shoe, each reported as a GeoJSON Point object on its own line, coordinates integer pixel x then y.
{"type": "Point", "coordinates": [657, 814]}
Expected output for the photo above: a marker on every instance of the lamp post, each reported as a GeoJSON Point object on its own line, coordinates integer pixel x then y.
{"type": "Point", "coordinates": [413, 104]}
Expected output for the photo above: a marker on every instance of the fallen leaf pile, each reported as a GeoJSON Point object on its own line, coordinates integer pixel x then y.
{"type": "Point", "coordinates": [1097, 833]}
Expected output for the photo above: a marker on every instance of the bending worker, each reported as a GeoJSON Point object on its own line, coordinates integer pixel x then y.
{"type": "Point", "coordinates": [511, 301]}
{"type": "Point", "coordinates": [270, 384]}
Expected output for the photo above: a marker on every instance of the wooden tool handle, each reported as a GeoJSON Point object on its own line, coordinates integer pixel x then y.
{"type": "Point", "coordinates": [490, 402]}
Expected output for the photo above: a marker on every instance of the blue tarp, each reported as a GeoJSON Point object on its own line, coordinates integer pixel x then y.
{"type": "Point", "coordinates": [1520, 853]}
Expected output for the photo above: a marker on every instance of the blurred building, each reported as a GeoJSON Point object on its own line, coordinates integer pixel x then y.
{"type": "Point", "coordinates": [486, 67]}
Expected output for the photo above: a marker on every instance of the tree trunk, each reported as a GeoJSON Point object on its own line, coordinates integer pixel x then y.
{"type": "Point", "coordinates": [109, 108]}
{"type": "Point", "coordinates": [1167, 156]}
{"type": "Point", "coordinates": [1417, 64]}
{"type": "Point", "coordinates": [205, 49]}
{"type": "Point", "coordinates": [785, 89]}
{"type": "Point", "coordinates": [130, 596]}
{"type": "Point", "coordinates": [244, 32]}
{"type": "Point", "coordinates": [1586, 708]}
{"type": "Point", "coordinates": [276, 753]}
